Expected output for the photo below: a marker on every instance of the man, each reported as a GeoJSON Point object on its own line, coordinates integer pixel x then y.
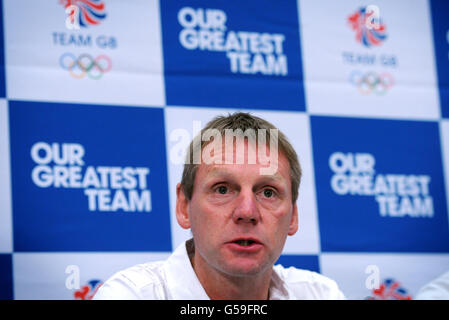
{"type": "Point", "coordinates": [239, 200]}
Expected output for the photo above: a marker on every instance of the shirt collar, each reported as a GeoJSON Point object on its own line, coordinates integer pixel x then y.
{"type": "Point", "coordinates": [183, 284]}
{"type": "Point", "coordinates": [278, 290]}
{"type": "Point", "coordinates": [182, 281]}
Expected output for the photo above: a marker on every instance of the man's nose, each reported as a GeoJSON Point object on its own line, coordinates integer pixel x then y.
{"type": "Point", "coordinates": [246, 210]}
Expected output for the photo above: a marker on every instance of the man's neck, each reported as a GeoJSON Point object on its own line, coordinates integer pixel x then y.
{"type": "Point", "coordinates": [221, 286]}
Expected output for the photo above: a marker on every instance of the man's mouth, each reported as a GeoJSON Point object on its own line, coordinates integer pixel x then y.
{"type": "Point", "coordinates": [247, 245]}
{"type": "Point", "coordinates": [245, 242]}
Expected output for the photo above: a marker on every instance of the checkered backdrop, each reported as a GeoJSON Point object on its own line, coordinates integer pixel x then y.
{"type": "Point", "coordinates": [98, 97]}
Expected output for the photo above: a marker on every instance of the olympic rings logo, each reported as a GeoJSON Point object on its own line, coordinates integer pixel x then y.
{"type": "Point", "coordinates": [85, 65]}
{"type": "Point", "coordinates": [371, 82]}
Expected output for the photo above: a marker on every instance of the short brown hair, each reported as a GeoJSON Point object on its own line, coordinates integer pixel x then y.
{"type": "Point", "coordinates": [242, 121]}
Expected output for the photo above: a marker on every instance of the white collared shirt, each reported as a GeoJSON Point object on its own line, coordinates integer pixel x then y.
{"type": "Point", "coordinates": [175, 279]}
{"type": "Point", "coordinates": [437, 289]}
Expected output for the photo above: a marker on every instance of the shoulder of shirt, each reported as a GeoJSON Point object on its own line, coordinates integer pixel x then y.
{"type": "Point", "coordinates": [142, 281]}
{"type": "Point", "coordinates": [305, 284]}
{"type": "Point", "coordinates": [437, 289]}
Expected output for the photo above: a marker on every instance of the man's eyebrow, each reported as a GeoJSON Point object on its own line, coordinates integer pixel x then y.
{"type": "Point", "coordinates": [218, 172]}
{"type": "Point", "coordinates": [276, 178]}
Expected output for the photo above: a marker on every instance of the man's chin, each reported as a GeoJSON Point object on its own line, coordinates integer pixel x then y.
{"type": "Point", "coordinates": [245, 268]}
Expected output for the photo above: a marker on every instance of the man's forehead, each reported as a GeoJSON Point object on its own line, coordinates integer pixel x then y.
{"type": "Point", "coordinates": [264, 154]}
{"type": "Point", "coordinates": [230, 169]}
{"type": "Point", "coordinates": [281, 173]}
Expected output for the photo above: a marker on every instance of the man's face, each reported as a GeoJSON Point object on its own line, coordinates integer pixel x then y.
{"type": "Point", "coordinates": [239, 218]}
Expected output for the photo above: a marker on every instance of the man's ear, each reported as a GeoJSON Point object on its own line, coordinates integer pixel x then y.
{"type": "Point", "coordinates": [293, 227]}
{"type": "Point", "coordinates": [182, 208]}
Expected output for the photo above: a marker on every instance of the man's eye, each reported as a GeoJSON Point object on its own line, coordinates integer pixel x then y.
{"type": "Point", "coordinates": [268, 193]}
{"type": "Point", "coordinates": [222, 189]}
